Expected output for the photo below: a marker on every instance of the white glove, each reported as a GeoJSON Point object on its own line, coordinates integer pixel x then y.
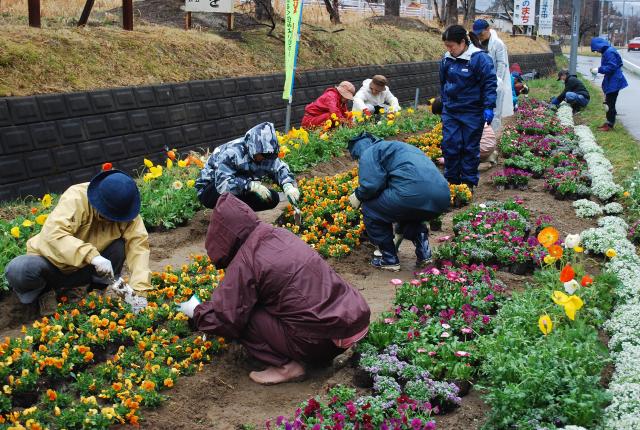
{"type": "Point", "coordinates": [262, 191]}
{"type": "Point", "coordinates": [292, 193]}
{"type": "Point", "coordinates": [594, 70]}
{"type": "Point", "coordinates": [353, 201]}
{"type": "Point", "coordinates": [499, 82]}
{"type": "Point", "coordinates": [103, 266]}
{"type": "Point", "coordinates": [189, 306]}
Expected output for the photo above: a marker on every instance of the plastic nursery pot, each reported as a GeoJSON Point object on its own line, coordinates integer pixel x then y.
{"type": "Point", "coordinates": [25, 399]}
{"type": "Point", "coordinates": [362, 379]}
{"type": "Point", "coordinates": [521, 268]}
{"type": "Point", "coordinates": [463, 386]}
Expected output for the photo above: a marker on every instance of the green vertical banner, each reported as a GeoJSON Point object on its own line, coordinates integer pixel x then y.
{"type": "Point", "coordinates": [293, 20]}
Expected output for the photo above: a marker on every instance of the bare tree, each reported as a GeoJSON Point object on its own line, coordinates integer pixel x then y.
{"type": "Point", "coordinates": [264, 9]}
{"type": "Point", "coordinates": [469, 8]}
{"type": "Point", "coordinates": [334, 12]}
{"type": "Point", "coordinates": [392, 7]}
{"type": "Point", "coordinates": [437, 9]}
{"type": "Point", "coordinates": [452, 12]}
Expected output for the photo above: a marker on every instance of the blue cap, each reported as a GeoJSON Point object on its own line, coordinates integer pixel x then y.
{"type": "Point", "coordinates": [479, 25]}
{"type": "Point", "coordinates": [115, 196]}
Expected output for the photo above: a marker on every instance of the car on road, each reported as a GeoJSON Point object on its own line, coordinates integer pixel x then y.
{"type": "Point", "coordinates": [634, 44]}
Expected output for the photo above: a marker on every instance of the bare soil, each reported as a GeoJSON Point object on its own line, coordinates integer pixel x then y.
{"type": "Point", "coordinates": [223, 397]}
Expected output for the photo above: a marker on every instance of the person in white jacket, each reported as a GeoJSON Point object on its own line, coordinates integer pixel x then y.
{"type": "Point", "coordinates": [375, 95]}
{"type": "Point", "coordinates": [498, 52]}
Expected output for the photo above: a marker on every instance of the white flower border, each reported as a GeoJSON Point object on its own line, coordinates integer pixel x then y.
{"type": "Point", "coordinates": [624, 326]}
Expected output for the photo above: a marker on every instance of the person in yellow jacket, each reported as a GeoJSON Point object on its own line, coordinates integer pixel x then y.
{"type": "Point", "coordinates": [84, 242]}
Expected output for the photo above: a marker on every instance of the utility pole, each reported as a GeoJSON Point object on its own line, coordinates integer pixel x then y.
{"type": "Point", "coordinates": [575, 35]}
{"type": "Point", "coordinates": [624, 4]}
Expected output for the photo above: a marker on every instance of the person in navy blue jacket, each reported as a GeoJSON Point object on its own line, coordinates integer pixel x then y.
{"type": "Point", "coordinates": [468, 86]}
{"type": "Point", "coordinates": [614, 80]}
{"type": "Point", "coordinates": [397, 183]}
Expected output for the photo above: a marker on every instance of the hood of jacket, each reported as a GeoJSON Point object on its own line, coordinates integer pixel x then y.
{"type": "Point", "coordinates": [466, 55]}
{"type": "Point", "coordinates": [598, 44]}
{"type": "Point", "coordinates": [262, 139]}
{"type": "Point", "coordinates": [231, 223]}
{"type": "Point", "coordinates": [360, 143]}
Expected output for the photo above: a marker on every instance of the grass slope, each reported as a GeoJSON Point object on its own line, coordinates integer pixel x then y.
{"type": "Point", "coordinates": [65, 58]}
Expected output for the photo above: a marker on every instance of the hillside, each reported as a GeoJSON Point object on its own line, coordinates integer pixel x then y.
{"type": "Point", "coordinates": [66, 58]}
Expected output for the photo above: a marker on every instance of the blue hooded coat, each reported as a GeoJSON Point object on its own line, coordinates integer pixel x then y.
{"type": "Point", "coordinates": [399, 177]}
{"type": "Point", "coordinates": [610, 66]}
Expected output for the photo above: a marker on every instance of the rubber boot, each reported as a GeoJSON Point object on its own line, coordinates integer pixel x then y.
{"type": "Point", "coordinates": [423, 250]}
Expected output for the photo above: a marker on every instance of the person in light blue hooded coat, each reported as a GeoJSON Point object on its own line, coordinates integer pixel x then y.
{"type": "Point", "coordinates": [468, 85]}
{"type": "Point", "coordinates": [237, 167]}
{"type": "Point", "coordinates": [397, 183]}
{"type": "Point", "coordinates": [614, 80]}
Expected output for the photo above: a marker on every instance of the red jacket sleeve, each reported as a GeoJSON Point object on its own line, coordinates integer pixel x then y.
{"type": "Point", "coordinates": [229, 309]}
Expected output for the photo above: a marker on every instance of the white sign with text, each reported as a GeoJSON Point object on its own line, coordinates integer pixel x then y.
{"type": "Point", "coordinates": [218, 6]}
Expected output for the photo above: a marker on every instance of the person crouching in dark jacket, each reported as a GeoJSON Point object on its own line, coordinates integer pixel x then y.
{"type": "Point", "coordinates": [397, 183]}
{"type": "Point", "coordinates": [279, 297]}
{"type": "Point", "coordinates": [575, 93]}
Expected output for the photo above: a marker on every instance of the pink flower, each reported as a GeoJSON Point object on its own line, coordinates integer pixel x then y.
{"type": "Point", "coordinates": [415, 282]}
{"type": "Point", "coordinates": [389, 320]}
{"type": "Point", "coordinates": [466, 330]}
{"type": "Point", "coordinates": [445, 334]}
{"type": "Point", "coordinates": [396, 282]}
{"type": "Point", "coordinates": [444, 238]}
{"type": "Point", "coordinates": [462, 354]}
{"type": "Point", "coordinates": [446, 326]}
{"type": "Point", "coordinates": [421, 350]}
{"type": "Point", "coordinates": [435, 271]}
{"type": "Point", "coordinates": [432, 353]}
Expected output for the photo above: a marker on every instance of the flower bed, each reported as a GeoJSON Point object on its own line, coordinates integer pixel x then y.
{"type": "Point", "coordinates": [494, 233]}
{"type": "Point", "coordinates": [95, 363]}
{"type": "Point", "coordinates": [511, 178]}
{"type": "Point", "coordinates": [429, 143]}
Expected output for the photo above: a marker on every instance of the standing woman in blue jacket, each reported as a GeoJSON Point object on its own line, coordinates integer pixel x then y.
{"type": "Point", "coordinates": [468, 86]}
{"type": "Point", "coordinates": [613, 82]}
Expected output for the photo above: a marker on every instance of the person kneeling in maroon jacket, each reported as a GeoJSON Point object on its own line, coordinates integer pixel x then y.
{"type": "Point", "coordinates": [279, 298]}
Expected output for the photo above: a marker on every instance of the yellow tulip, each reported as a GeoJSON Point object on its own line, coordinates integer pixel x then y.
{"type": "Point", "coordinates": [15, 232]}
{"type": "Point", "coordinates": [611, 253]}
{"type": "Point", "coordinates": [40, 219]}
{"type": "Point", "coordinates": [545, 324]}
{"type": "Point", "coordinates": [46, 201]}
{"type": "Point", "coordinates": [27, 223]}
{"type": "Point", "coordinates": [148, 163]}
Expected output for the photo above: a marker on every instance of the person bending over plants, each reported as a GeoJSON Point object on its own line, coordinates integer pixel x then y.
{"type": "Point", "coordinates": [84, 243]}
{"type": "Point", "coordinates": [237, 167]}
{"type": "Point", "coordinates": [375, 96]}
{"type": "Point", "coordinates": [397, 183]}
{"type": "Point", "coordinates": [279, 297]}
{"type": "Point", "coordinates": [331, 104]}
{"type": "Point", "coordinates": [575, 93]}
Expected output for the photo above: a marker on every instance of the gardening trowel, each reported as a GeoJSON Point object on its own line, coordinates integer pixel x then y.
{"type": "Point", "coordinates": [297, 214]}
{"type": "Point", "coordinates": [122, 290]}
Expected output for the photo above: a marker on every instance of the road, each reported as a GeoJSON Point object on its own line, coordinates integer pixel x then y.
{"type": "Point", "coordinates": [633, 57]}
{"type": "Point", "coordinates": [627, 105]}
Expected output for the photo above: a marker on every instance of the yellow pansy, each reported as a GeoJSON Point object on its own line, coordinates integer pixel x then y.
{"type": "Point", "coordinates": [182, 163]}
{"type": "Point", "coordinates": [191, 183]}
{"type": "Point", "coordinates": [40, 219]}
{"type": "Point", "coordinates": [545, 324]}
{"type": "Point", "coordinates": [148, 163]}
{"type": "Point", "coordinates": [15, 232]}
{"type": "Point", "coordinates": [27, 223]}
{"type": "Point", "coordinates": [46, 201]}
{"type": "Point", "coordinates": [611, 253]}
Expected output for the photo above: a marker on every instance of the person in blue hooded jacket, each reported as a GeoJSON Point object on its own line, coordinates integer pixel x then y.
{"type": "Point", "coordinates": [468, 86]}
{"type": "Point", "coordinates": [397, 183]}
{"type": "Point", "coordinates": [614, 80]}
{"type": "Point", "coordinates": [237, 167]}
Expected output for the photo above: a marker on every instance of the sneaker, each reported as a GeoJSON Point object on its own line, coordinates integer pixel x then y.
{"type": "Point", "coordinates": [421, 264]}
{"type": "Point", "coordinates": [379, 263]}
{"type": "Point", "coordinates": [290, 372]}
{"type": "Point", "coordinates": [47, 303]}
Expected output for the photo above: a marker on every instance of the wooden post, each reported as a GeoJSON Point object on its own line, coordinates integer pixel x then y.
{"type": "Point", "coordinates": [230, 22]}
{"type": "Point", "coordinates": [187, 21]}
{"type": "Point", "coordinates": [85, 13]}
{"type": "Point", "coordinates": [34, 13]}
{"type": "Point", "coordinates": [127, 14]}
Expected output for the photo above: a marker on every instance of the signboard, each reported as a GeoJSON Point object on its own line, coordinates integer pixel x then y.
{"type": "Point", "coordinates": [293, 19]}
{"type": "Point", "coordinates": [524, 12]}
{"type": "Point", "coordinates": [218, 6]}
{"type": "Point", "coordinates": [545, 21]}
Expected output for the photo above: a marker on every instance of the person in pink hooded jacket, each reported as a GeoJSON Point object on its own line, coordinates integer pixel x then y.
{"type": "Point", "coordinates": [279, 297]}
